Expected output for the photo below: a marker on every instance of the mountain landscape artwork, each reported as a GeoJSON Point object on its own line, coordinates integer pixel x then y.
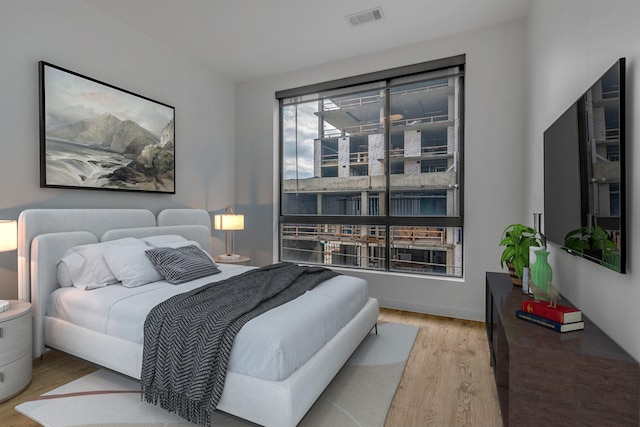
{"type": "Point", "coordinates": [96, 136]}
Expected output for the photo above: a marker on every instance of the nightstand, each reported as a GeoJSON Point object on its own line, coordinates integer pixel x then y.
{"type": "Point", "coordinates": [243, 260]}
{"type": "Point", "coordinates": [16, 359]}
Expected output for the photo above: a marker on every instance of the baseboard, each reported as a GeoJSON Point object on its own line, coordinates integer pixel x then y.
{"type": "Point", "coordinates": [454, 312]}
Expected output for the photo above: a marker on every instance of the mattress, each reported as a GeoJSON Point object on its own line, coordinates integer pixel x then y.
{"type": "Point", "coordinates": [271, 346]}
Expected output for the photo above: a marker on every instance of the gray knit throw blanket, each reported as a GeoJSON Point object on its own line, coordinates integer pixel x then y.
{"type": "Point", "coordinates": [188, 338]}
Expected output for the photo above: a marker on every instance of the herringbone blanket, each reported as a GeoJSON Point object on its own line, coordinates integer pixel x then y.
{"type": "Point", "coordinates": [188, 338]}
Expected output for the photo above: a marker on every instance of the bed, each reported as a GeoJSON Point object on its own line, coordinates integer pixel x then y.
{"type": "Point", "coordinates": [268, 391]}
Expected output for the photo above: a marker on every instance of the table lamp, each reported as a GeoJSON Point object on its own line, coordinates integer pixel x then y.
{"type": "Point", "coordinates": [229, 222]}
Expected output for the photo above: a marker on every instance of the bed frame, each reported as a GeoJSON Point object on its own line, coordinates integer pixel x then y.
{"type": "Point", "coordinates": [44, 235]}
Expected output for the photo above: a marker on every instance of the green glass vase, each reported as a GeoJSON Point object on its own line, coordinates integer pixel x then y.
{"type": "Point", "coordinates": [541, 273]}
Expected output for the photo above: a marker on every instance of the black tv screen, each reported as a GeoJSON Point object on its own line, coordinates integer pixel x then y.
{"type": "Point", "coordinates": [584, 174]}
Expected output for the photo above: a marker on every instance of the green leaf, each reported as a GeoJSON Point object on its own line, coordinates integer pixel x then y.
{"type": "Point", "coordinates": [516, 240]}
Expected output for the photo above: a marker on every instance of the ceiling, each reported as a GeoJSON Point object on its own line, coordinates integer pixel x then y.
{"type": "Point", "coordinates": [247, 39]}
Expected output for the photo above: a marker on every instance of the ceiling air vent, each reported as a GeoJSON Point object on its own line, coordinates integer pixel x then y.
{"type": "Point", "coordinates": [370, 15]}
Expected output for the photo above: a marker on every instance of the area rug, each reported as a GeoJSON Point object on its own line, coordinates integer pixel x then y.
{"type": "Point", "coordinates": [360, 395]}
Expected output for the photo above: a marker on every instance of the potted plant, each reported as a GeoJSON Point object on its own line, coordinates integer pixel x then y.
{"type": "Point", "coordinates": [516, 239]}
{"type": "Point", "coordinates": [595, 243]}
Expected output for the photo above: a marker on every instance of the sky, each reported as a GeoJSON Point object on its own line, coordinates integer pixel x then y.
{"type": "Point", "coordinates": [307, 125]}
{"type": "Point", "coordinates": [70, 98]}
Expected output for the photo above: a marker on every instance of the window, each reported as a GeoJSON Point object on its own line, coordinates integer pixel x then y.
{"type": "Point", "coordinates": [371, 170]}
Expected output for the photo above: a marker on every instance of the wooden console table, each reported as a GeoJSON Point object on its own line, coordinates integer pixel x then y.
{"type": "Point", "coordinates": [547, 378]}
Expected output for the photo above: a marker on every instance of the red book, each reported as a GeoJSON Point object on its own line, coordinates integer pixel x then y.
{"type": "Point", "coordinates": [559, 313]}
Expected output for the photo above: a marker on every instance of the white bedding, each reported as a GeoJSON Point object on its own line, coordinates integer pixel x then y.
{"type": "Point", "coordinates": [257, 351]}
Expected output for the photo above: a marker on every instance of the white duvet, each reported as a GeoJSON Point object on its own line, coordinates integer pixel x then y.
{"type": "Point", "coordinates": [271, 346]}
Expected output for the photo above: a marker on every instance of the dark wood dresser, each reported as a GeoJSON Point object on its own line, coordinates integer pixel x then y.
{"type": "Point", "coordinates": [553, 379]}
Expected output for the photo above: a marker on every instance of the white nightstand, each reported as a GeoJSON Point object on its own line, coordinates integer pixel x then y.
{"type": "Point", "coordinates": [16, 358]}
{"type": "Point", "coordinates": [243, 260]}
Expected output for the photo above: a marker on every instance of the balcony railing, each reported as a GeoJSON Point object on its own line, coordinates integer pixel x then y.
{"type": "Point", "coordinates": [612, 133]}
{"type": "Point", "coordinates": [374, 234]}
{"type": "Point", "coordinates": [360, 157]}
{"type": "Point", "coordinates": [333, 104]}
{"type": "Point", "coordinates": [418, 235]}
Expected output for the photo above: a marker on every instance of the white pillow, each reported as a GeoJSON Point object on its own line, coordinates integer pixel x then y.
{"type": "Point", "coordinates": [85, 264]}
{"type": "Point", "coordinates": [64, 275]}
{"type": "Point", "coordinates": [163, 240]}
{"type": "Point", "coordinates": [131, 266]}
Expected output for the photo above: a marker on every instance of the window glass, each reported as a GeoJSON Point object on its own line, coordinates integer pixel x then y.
{"type": "Point", "coordinates": [333, 150]}
{"type": "Point", "coordinates": [425, 148]}
{"type": "Point", "coordinates": [371, 160]}
{"type": "Point", "coordinates": [361, 246]}
{"type": "Point", "coordinates": [434, 250]}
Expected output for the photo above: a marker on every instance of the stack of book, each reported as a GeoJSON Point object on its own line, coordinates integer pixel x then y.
{"type": "Point", "coordinates": [559, 318]}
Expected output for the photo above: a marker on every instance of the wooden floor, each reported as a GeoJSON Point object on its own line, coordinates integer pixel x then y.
{"type": "Point", "coordinates": [447, 381]}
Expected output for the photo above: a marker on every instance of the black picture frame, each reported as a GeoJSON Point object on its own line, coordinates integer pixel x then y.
{"type": "Point", "coordinates": [95, 136]}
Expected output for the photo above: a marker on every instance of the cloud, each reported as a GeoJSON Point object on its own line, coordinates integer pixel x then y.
{"type": "Point", "coordinates": [300, 129]}
{"type": "Point", "coordinates": [71, 98]}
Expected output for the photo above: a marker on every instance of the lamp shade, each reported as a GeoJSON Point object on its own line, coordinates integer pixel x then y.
{"type": "Point", "coordinates": [228, 222]}
{"type": "Point", "coordinates": [8, 235]}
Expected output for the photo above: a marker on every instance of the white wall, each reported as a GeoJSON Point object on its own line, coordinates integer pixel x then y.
{"type": "Point", "coordinates": [76, 36]}
{"type": "Point", "coordinates": [570, 44]}
{"type": "Point", "coordinates": [494, 143]}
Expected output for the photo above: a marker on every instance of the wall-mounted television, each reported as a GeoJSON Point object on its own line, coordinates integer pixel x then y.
{"type": "Point", "coordinates": [584, 174]}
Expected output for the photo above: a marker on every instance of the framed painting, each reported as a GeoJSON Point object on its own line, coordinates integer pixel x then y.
{"type": "Point", "coordinates": [96, 136]}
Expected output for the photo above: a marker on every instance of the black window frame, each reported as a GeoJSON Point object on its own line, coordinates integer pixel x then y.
{"type": "Point", "coordinates": [386, 220]}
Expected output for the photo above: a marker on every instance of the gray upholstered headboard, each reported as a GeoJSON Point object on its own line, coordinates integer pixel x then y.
{"type": "Point", "coordinates": [44, 235]}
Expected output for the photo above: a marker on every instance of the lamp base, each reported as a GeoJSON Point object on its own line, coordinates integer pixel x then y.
{"type": "Point", "coordinates": [229, 257]}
